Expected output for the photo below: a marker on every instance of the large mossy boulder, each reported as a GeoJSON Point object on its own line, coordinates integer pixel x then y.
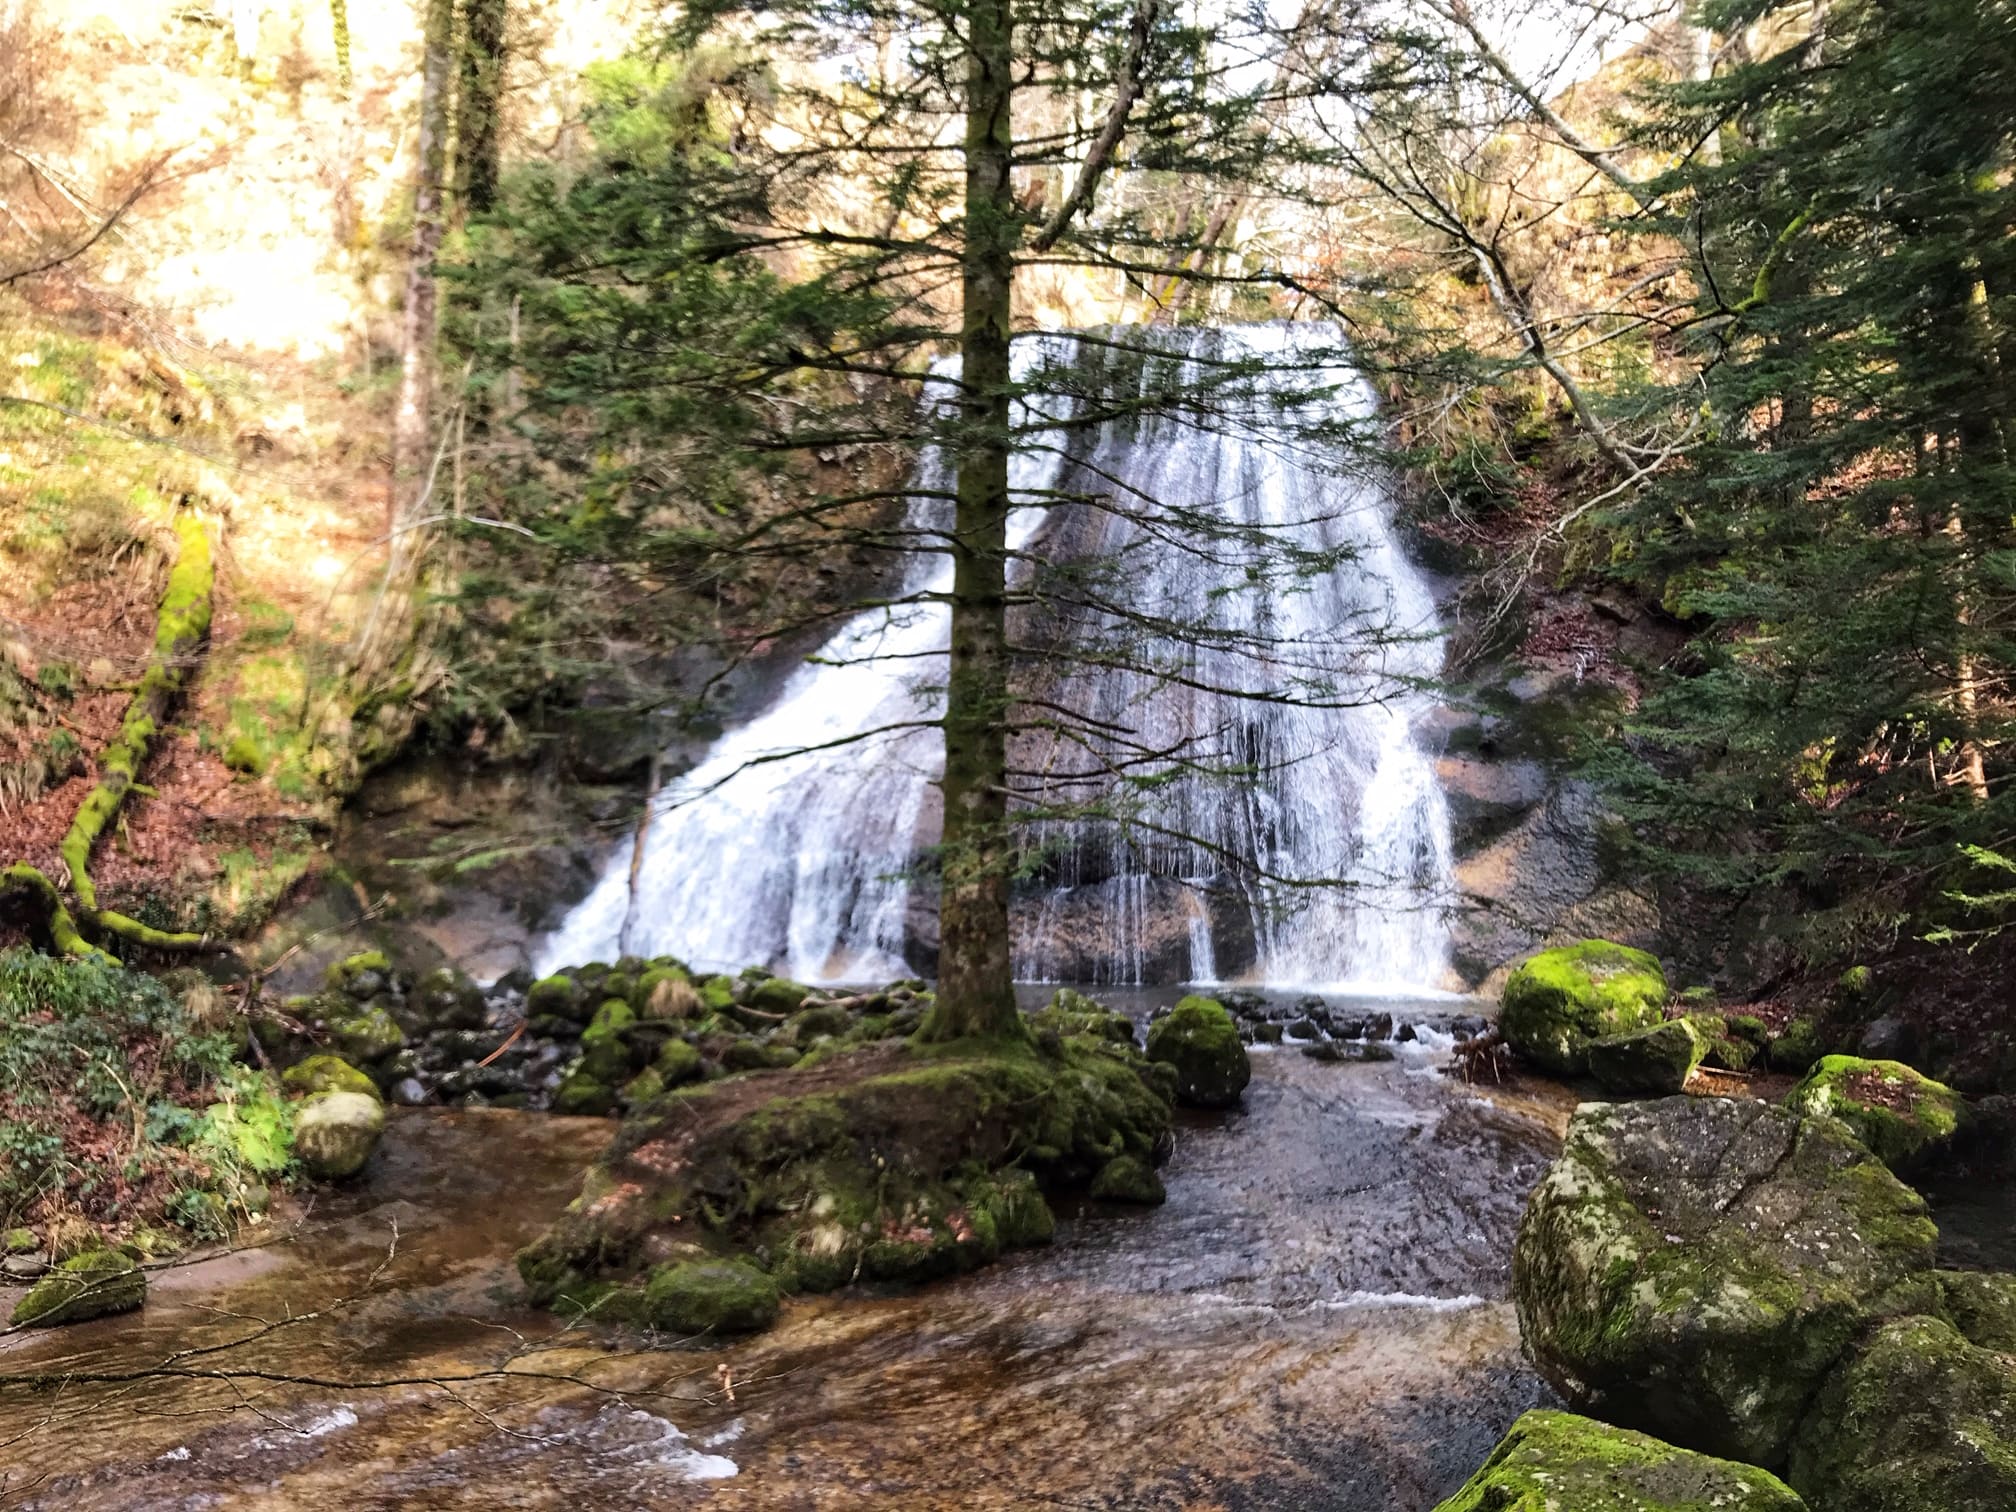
{"type": "Point", "coordinates": [710, 1297]}
{"type": "Point", "coordinates": [1558, 1462]}
{"type": "Point", "coordinates": [326, 1073]}
{"type": "Point", "coordinates": [335, 1132]}
{"type": "Point", "coordinates": [1906, 1118]}
{"type": "Point", "coordinates": [1559, 1000]}
{"type": "Point", "coordinates": [1919, 1420]}
{"type": "Point", "coordinates": [1657, 1060]}
{"type": "Point", "coordinates": [1695, 1267]}
{"type": "Point", "coordinates": [1199, 1038]}
{"type": "Point", "coordinates": [89, 1285]}
{"type": "Point", "coordinates": [889, 1162]}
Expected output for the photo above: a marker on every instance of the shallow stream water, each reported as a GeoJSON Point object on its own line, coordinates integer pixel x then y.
{"type": "Point", "coordinates": [1316, 1319]}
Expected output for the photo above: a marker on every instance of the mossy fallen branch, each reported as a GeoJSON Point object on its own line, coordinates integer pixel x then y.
{"type": "Point", "coordinates": [179, 632]}
{"type": "Point", "coordinates": [62, 926]}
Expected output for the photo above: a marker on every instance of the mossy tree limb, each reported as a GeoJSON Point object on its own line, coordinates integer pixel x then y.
{"type": "Point", "coordinates": [180, 629]}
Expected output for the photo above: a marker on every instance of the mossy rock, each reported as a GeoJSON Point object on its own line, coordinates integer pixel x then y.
{"type": "Point", "coordinates": [1726, 1045]}
{"type": "Point", "coordinates": [1918, 1420]}
{"type": "Point", "coordinates": [365, 1037]}
{"type": "Point", "coordinates": [778, 995]}
{"type": "Point", "coordinates": [447, 999]}
{"type": "Point", "coordinates": [1982, 1305]}
{"type": "Point", "coordinates": [555, 996]}
{"type": "Point", "coordinates": [1905, 1117]}
{"type": "Point", "coordinates": [1696, 1267]}
{"type": "Point", "coordinates": [710, 1297]}
{"type": "Point", "coordinates": [828, 1020]}
{"type": "Point", "coordinates": [1656, 1061]}
{"type": "Point", "coordinates": [326, 1073]}
{"type": "Point", "coordinates": [1128, 1178]}
{"type": "Point", "coordinates": [1558, 1462]}
{"type": "Point", "coordinates": [717, 992]}
{"type": "Point", "coordinates": [1795, 1047]}
{"type": "Point", "coordinates": [756, 1055]}
{"type": "Point", "coordinates": [20, 1241]}
{"type": "Point", "coordinates": [1072, 1012]}
{"type": "Point", "coordinates": [678, 1063]}
{"type": "Point", "coordinates": [581, 1095]}
{"type": "Point", "coordinates": [362, 976]}
{"type": "Point", "coordinates": [1199, 1038]}
{"type": "Point", "coordinates": [1559, 1000]}
{"type": "Point", "coordinates": [335, 1133]}
{"type": "Point", "coordinates": [885, 1163]}
{"type": "Point", "coordinates": [90, 1285]}
{"type": "Point", "coordinates": [606, 1050]}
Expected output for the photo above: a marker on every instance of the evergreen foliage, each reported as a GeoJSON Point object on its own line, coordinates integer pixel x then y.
{"type": "Point", "coordinates": [1843, 536]}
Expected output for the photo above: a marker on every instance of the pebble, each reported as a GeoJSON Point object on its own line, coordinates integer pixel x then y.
{"type": "Point", "coordinates": [23, 1267]}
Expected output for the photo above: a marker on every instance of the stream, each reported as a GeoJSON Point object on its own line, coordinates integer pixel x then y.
{"type": "Point", "coordinates": [1316, 1318]}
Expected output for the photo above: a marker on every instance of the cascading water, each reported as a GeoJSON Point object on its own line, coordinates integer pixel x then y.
{"type": "Point", "coordinates": [792, 843]}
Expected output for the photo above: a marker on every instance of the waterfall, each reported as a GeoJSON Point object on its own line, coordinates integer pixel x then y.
{"type": "Point", "coordinates": [793, 843]}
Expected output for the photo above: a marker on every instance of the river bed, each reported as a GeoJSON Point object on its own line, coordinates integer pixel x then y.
{"type": "Point", "coordinates": [1317, 1318]}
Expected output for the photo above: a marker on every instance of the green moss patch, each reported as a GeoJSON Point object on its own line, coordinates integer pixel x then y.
{"type": "Point", "coordinates": [1559, 1000]}
{"type": "Point", "coordinates": [1906, 1118]}
{"type": "Point", "coordinates": [1558, 1462]}
{"type": "Point", "coordinates": [887, 1163]}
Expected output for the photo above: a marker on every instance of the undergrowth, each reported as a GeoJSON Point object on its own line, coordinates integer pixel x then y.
{"type": "Point", "coordinates": [116, 1107]}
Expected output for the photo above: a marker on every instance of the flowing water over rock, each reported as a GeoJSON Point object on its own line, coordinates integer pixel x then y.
{"type": "Point", "coordinates": [805, 863]}
{"type": "Point", "coordinates": [1316, 1319]}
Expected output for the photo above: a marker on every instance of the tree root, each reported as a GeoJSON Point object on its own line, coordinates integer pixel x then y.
{"type": "Point", "coordinates": [179, 632]}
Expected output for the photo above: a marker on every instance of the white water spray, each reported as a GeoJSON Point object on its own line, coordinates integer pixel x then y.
{"type": "Point", "coordinates": [790, 844]}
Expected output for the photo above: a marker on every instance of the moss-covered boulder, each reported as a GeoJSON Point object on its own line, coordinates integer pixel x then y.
{"type": "Point", "coordinates": [365, 1037]}
{"type": "Point", "coordinates": [1695, 1267]}
{"type": "Point", "coordinates": [335, 1133]}
{"type": "Point", "coordinates": [1906, 1118]}
{"type": "Point", "coordinates": [1558, 1462]}
{"type": "Point", "coordinates": [1731, 1042]}
{"type": "Point", "coordinates": [1919, 1420]}
{"type": "Point", "coordinates": [362, 976]}
{"type": "Point", "coordinates": [700, 1297]}
{"type": "Point", "coordinates": [1072, 1012]}
{"type": "Point", "coordinates": [1657, 1060]}
{"type": "Point", "coordinates": [89, 1285]}
{"type": "Point", "coordinates": [1200, 1039]}
{"type": "Point", "coordinates": [446, 999]}
{"type": "Point", "coordinates": [1129, 1178]}
{"type": "Point", "coordinates": [582, 1095]}
{"type": "Point", "coordinates": [1795, 1046]}
{"type": "Point", "coordinates": [554, 996]}
{"type": "Point", "coordinates": [777, 995]}
{"type": "Point", "coordinates": [326, 1073]}
{"type": "Point", "coordinates": [1982, 1305]}
{"type": "Point", "coordinates": [1559, 1000]}
{"type": "Point", "coordinates": [890, 1162]}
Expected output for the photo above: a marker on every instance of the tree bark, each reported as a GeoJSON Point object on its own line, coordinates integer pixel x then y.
{"type": "Point", "coordinates": [476, 110]}
{"type": "Point", "coordinates": [389, 631]}
{"type": "Point", "coordinates": [976, 995]}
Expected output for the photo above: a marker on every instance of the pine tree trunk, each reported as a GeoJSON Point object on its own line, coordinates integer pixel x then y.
{"type": "Point", "coordinates": [976, 994]}
{"type": "Point", "coordinates": [476, 109]}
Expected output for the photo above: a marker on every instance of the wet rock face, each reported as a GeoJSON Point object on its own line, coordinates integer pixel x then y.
{"type": "Point", "coordinates": [1557, 1462]}
{"type": "Point", "coordinates": [1920, 1419]}
{"type": "Point", "coordinates": [1561, 1000]}
{"type": "Point", "coordinates": [1697, 1267]}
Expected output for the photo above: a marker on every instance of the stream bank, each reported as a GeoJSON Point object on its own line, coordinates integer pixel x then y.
{"type": "Point", "coordinates": [1317, 1317]}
